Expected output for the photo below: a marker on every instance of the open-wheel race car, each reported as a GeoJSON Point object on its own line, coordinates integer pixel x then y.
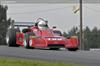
{"type": "Point", "coordinates": [38, 35]}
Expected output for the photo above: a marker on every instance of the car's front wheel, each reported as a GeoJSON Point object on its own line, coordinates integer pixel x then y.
{"type": "Point", "coordinates": [28, 41]}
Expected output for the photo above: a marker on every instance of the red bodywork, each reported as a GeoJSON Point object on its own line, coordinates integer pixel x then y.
{"type": "Point", "coordinates": [46, 38]}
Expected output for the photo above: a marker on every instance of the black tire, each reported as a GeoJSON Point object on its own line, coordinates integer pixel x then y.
{"type": "Point", "coordinates": [54, 48]}
{"type": "Point", "coordinates": [11, 37]}
{"type": "Point", "coordinates": [72, 49]}
{"type": "Point", "coordinates": [26, 39]}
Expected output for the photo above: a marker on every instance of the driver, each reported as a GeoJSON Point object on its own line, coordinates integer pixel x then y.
{"type": "Point", "coordinates": [42, 24]}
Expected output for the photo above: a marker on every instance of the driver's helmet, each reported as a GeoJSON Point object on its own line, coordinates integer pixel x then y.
{"type": "Point", "coordinates": [42, 24]}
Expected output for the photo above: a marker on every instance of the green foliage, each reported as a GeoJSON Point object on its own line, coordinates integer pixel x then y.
{"type": "Point", "coordinates": [87, 38]}
{"type": "Point", "coordinates": [24, 62]}
{"type": "Point", "coordinates": [95, 38]}
{"type": "Point", "coordinates": [73, 31]}
{"type": "Point", "coordinates": [3, 23]}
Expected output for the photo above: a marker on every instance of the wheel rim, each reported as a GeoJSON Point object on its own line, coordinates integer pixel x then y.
{"type": "Point", "coordinates": [30, 43]}
{"type": "Point", "coordinates": [25, 44]}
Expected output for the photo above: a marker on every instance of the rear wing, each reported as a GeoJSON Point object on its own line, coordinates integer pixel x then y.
{"type": "Point", "coordinates": [21, 24]}
{"type": "Point", "coordinates": [24, 24]}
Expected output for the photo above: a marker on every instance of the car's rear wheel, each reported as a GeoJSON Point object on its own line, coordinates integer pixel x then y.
{"type": "Point", "coordinates": [28, 41]}
{"type": "Point", "coordinates": [11, 37]}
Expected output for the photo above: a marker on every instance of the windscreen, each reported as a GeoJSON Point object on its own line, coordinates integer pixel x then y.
{"type": "Point", "coordinates": [57, 32]}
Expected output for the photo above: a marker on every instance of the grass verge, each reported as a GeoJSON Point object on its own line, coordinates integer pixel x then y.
{"type": "Point", "coordinates": [26, 62]}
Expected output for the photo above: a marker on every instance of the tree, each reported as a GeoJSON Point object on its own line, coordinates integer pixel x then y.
{"type": "Point", "coordinates": [87, 38]}
{"type": "Point", "coordinates": [95, 38]}
{"type": "Point", "coordinates": [3, 23]}
{"type": "Point", "coordinates": [99, 38]}
{"type": "Point", "coordinates": [73, 31]}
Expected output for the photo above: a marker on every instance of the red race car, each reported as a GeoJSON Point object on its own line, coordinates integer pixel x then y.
{"type": "Point", "coordinates": [38, 35]}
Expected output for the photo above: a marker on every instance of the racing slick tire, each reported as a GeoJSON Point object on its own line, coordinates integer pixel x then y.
{"type": "Point", "coordinates": [54, 48]}
{"type": "Point", "coordinates": [72, 49]}
{"type": "Point", "coordinates": [11, 37]}
{"type": "Point", "coordinates": [27, 41]}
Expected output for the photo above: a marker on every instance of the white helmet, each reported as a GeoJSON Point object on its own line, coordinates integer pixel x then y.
{"type": "Point", "coordinates": [42, 24]}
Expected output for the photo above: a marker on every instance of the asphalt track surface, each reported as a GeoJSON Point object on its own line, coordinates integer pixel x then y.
{"type": "Point", "coordinates": [89, 58]}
